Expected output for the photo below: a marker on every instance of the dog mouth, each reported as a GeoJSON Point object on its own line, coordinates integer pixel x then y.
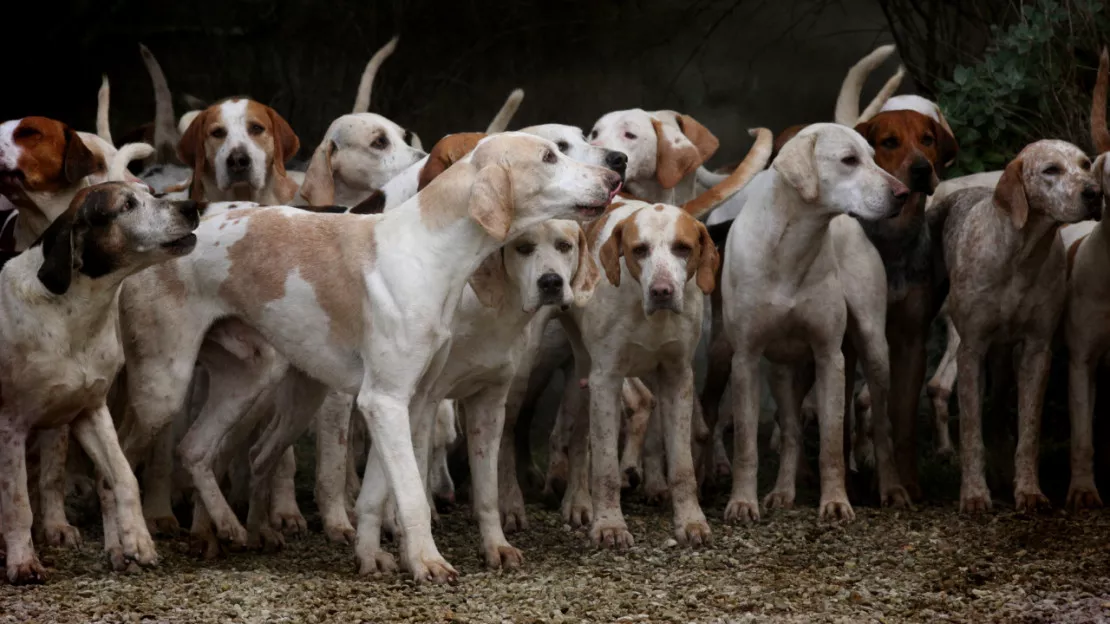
{"type": "Point", "coordinates": [181, 246]}
{"type": "Point", "coordinates": [590, 211]}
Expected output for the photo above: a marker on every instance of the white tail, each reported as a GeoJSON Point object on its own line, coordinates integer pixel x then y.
{"type": "Point", "coordinates": [103, 128]}
{"type": "Point", "coordinates": [165, 132]}
{"type": "Point", "coordinates": [501, 121]}
{"type": "Point", "coordinates": [753, 163]}
{"type": "Point", "coordinates": [362, 98]}
{"type": "Point", "coordinates": [883, 96]}
{"type": "Point", "coordinates": [847, 103]}
{"type": "Point", "coordinates": [117, 171]}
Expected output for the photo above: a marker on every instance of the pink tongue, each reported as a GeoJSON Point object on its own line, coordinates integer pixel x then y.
{"type": "Point", "coordinates": [613, 193]}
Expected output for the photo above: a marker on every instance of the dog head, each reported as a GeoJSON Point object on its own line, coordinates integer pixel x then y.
{"type": "Point", "coordinates": [114, 229]}
{"type": "Point", "coordinates": [1052, 178]}
{"type": "Point", "coordinates": [548, 264]}
{"type": "Point", "coordinates": [832, 169]}
{"type": "Point", "coordinates": [514, 181]}
{"type": "Point", "coordinates": [570, 141]}
{"type": "Point", "coordinates": [43, 155]}
{"type": "Point", "coordinates": [360, 153]}
{"type": "Point", "coordinates": [237, 142]}
{"type": "Point", "coordinates": [664, 248]}
{"type": "Point", "coordinates": [663, 146]}
{"type": "Point", "coordinates": [910, 146]}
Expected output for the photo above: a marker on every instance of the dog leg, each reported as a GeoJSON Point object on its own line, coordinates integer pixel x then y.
{"type": "Point", "coordinates": [830, 419]}
{"type": "Point", "coordinates": [743, 504]}
{"type": "Point", "coordinates": [53, 448]}
{"type": "Point", "coordinates": [609, 528]}
{"type": "Point", "coordinates": [285, 513]}
{"type": "Point", "coordinates": [97, 434]}
{"type": "Point", "coordinates": [656, 490]}
{"type": "Point", "coordinates": [676, 404]}
{"type": "Point", "coordinates": [158, 487]}
{"type": "Point", "coordinates": [940, 387]}
{"type": "Point", "coordinates": [202, 535]}
{"type": "Point", "coordinates": [1082, 492]}
{"type": "Point", "coordinates": [715, 459]}
{"type": "Point", "coordinates": [1036, 359]}
{"type": "Point", "coordinates": [332, 434]}
{"type": "Point", "coordinates": [640, 404]}
{"type": "Point", "coordinates": [787, 385]}
{"type": "Point", "coordinates": [510, 499]}
{"type": "Point", "coordinates": [975, 496]}
{"type": "Point", "coordinates": [22, 564]}
{"type": "Point", "coordinates": [875, 356]}
{"type": "Point", "coordinates": [370, 509]}
{"type": "Point", "coordinates": [485, 413]}
{"type": "Point", "coordinates": [577, 507]}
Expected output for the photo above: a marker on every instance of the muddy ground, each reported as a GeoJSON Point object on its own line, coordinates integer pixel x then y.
{"type": "Point", "coordinates": [928, 565]}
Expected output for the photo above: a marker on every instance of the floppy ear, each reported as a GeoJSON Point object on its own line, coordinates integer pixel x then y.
{"type": "Point", "coordinates": [708, 261]}
{"type": "Point", "coordinates": [587, 274]}
{"type": "Point", "coordinates": [79, 161]}
{"type": "Point", "coordinates": [286, 143]}
{"type": "Point", "coordinates": [1009, 195]}
{"type": "Point", "coordinates": [798, 166]}
{"type": "Point", "coordinates": [490, 280]}
{"type": "Point", "coordinates": [56, 271]}
{"type": "Point", "coordinates": [491, 200]}
{"type": "Point", "coordinates": [610, 255]}
{"type": "Point", "coordinates": [864, 128]}
{"type": "Point", "coordinates": [190, 150]}
{"type": "Point", "coordinates": [675, 156]}
{"type": "Point", "coordinates": [704, 140]}
{"type": "Point", "coordinates": [445, 153]}
{"type": "Point", "coordinates": [318, 188]}
{"type": "Point", "coordinates": [946, 145]}
{"type": "Point", "coordinates": [1099, 169]}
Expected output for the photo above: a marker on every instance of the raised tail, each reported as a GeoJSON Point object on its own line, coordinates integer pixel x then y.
{"type": "Point", "coordinates": [362, 98]}
{"type": "Point", "coordinates": [847, 103]}
{"type": "Point", "coordinates": [753, 163]}
{"type": "Point", "coordinates": [501, 122]}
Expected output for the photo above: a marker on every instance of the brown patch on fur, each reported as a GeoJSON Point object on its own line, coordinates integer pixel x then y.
{"type": "Point", "coordinates": [624, 237]}
{"type": "Point", "coordinates": [446, 152]}
{"type": "Point", "coordinates": [595, 227]}
{"type": "Point", "coordinates": [1010, 196]}
{"type": "Point", "coordinates": [275, 245]}
{"type": "Point", "coordinates": [442, 202]}
{"type": "Point", "coordinates": [52, 156]}
{"type": "Point", "coordinates": [703, 261]}
{"type": "Point", "coordinates": [672, 162]}
{"type": "Point", "coordinates": [171, 282]}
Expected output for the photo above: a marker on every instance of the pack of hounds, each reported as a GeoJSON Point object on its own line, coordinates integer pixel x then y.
{"type": "Point", "coordinates": [189, 324]}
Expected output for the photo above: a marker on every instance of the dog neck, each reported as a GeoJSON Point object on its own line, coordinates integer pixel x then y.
{"type": "Point", "coordinates": [37, 210]}
{"type": "Point", "coordinates": [90, 303]}
{"type": "Point", "coordinates": [1031, 245]}
{"type": "Point", "coordinates": [903, 243]}
{"type": "Point", "coordinates": [792, 235]}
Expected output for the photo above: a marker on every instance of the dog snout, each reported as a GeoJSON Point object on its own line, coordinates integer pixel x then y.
{"type": "Point", "coordinates": [661, 293]}
{"type": "Point", "coordinates": [921, 176]}
{"type": "Point", "coordinates": [238, 162]}
{"type": "Point", "coordinates": [550, 285]}
{"type": "Point", "coordinates": [617, 161]}
{"type": "Point", "coordinates": [190, 210]}
{"type": "Point", "coordinates": [900, 191]}
{"type": "Point", "coordinates": [613, 181]}
{"type": "Point", "coordinates": [1091, 194]}
{"type": "Point", "coordinates": [1092, 197]}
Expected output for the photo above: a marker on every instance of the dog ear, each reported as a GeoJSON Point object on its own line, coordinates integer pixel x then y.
{"type": "Point", "coordinates": [445, 153]}
{"type": "Point", "coordinates": [490, 280]}
{"type": "Point", "coordinates": [675, 156]}
{"type": "Point", "coordinates": [587, 274]}
{"type": "Point", "coordinates": [190, 150]}
{"type": "Point", "coordinates": [1098, 168]}
{"type": "Point", "coordinates": [704, 140]}
{"type": "Point", "coordinates": [708, 261]}
{"type": "Point", "coordinates": [79, 161]}
{"type": "Point", "coordinates": [491, 200]}
{"type": "Point", "coordinates": [1009, 195]}
{"type": "Point", "coordinates": [318, 188]}
{"type": "Point", "coordinates": [286, 143]}
{"type": "Point", "coordinates": [56, 272]}
{"type": "Point", "coordinates": [798, 166]}
{"type": "Point", "coordinates": [610, 254]}
{"type": "Point", "coordinates": [947, 149]}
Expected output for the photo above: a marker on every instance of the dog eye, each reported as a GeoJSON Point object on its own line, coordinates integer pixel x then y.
{"type": "Point", "coordinates": [1085, 165]}
{"type": "Point", "coordinates": [1052, 170]}
{"type": "Point", "coordinates": [593, 134]}
{"type": "Point", "coordinates": [130, 204]}
{"type": "Point", "coordinates": [380, 143]}
{"type": "Point", "coordinates": [549, 157]}
{"type": "Point", "coordinates": [256, 129]}
{"type": "Point", "coordinates": [25, 132]}
{"type": "Point", "coordinates": [218, 133]}
{"type": "Point", "coordinates": [889, 143]}
{"type": "Point", "coordinates": [563, 247]}
{"type": "Point", "coordinates": [682, 250]}
{"type": "Point", "coordinates": [563, 146]}
{"type": "Point", "coordinates": [927, 140]}
{"type": "Point", "coordinates": [525, 249]}
{"type": "Point", "coordinates": [641, 250]}
{"type": "Point", "coordinates": [851, 161]}
{"type": "Point", "coordinates": [630, 136]}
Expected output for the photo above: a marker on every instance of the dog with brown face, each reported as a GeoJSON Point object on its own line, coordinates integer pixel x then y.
{"type": "Point", "coordinates": [238, 149]}
{"type": "Point", "coordinates": [61, 351]}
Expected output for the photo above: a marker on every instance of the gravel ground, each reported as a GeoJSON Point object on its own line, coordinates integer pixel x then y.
{"type": "Point", "coordinates": [931, 564]}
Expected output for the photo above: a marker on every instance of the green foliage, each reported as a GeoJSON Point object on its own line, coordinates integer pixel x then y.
{"type": "Point", "coordinates": [1027, 85]}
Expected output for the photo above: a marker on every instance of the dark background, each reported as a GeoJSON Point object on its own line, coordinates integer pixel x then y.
{"type": "Point", "coordinates": [731, 64]}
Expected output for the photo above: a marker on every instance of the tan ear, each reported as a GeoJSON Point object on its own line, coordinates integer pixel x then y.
{"type": "Point", "coordinates": [947, 149]}
{"type": "Point", "coordinates": [1009, 195]}
{"type": "Point", "coordinates": [675, 156]}
{"type": "Point", "coordinates": [491, 201]}
{"type": "Point", "coordinates": [704, 140]}
{"type": "Point", "coordinates": [610, 254]}
{"type": "Point", "coordinates": [190, 150]}
{"type": "Point", "coordinates": [318, 188]}
{"type": "Point", "coordinates": [79, 161]}
{"type": "Point", "coordinates": [286, 143]}
{"type": "Point", "coordinates": [586, 275]}
{"type": "Point", "coordinates": [445, 153]}
{"type": "Point", "coordinates": [798, 166]}
{"type": "Point", "coordinates": [708, 261]}
{"type": "Point", "coordinates": [490, 280]}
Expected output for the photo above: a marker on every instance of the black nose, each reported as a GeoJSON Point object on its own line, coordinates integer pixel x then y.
{"type": "Point", "coordinates": [550, 284]}
{"type": "Point", "coordinates": [921, 175]}
{"type": "Point", "coordinates": [190, 210]}
{"type": "Point", "coordinates": [661, 293]}
{"type": "Point", "coordinates": [616, 161]}
{"type": "Point", "coordinates": [1090, 193]}
{"type": "Point", "coordinates": [238, 161]}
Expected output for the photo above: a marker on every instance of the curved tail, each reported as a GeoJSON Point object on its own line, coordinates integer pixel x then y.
{"type": "Point", "coordinates": [103, 128]}
{"type": "Point", "coordinates": [362, 98]}
{"type": "Point", "coordinates": [117, 171]}
{"type": "Point", "coordinates": [847, 103]}
{"type": "Point", "coordinates": [1100, 135]}
{"type": "Point", "coordinates": [884, 94]}
{"type": "Point", "coordinates": [165, 129]}
{"type": "Point", "coordinates": [753, 163]}
{"type": "Point", "coordinates": [501, 121]}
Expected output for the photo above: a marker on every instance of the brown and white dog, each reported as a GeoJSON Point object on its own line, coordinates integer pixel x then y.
{"type": "Point", "coordinates": [61, 353]}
